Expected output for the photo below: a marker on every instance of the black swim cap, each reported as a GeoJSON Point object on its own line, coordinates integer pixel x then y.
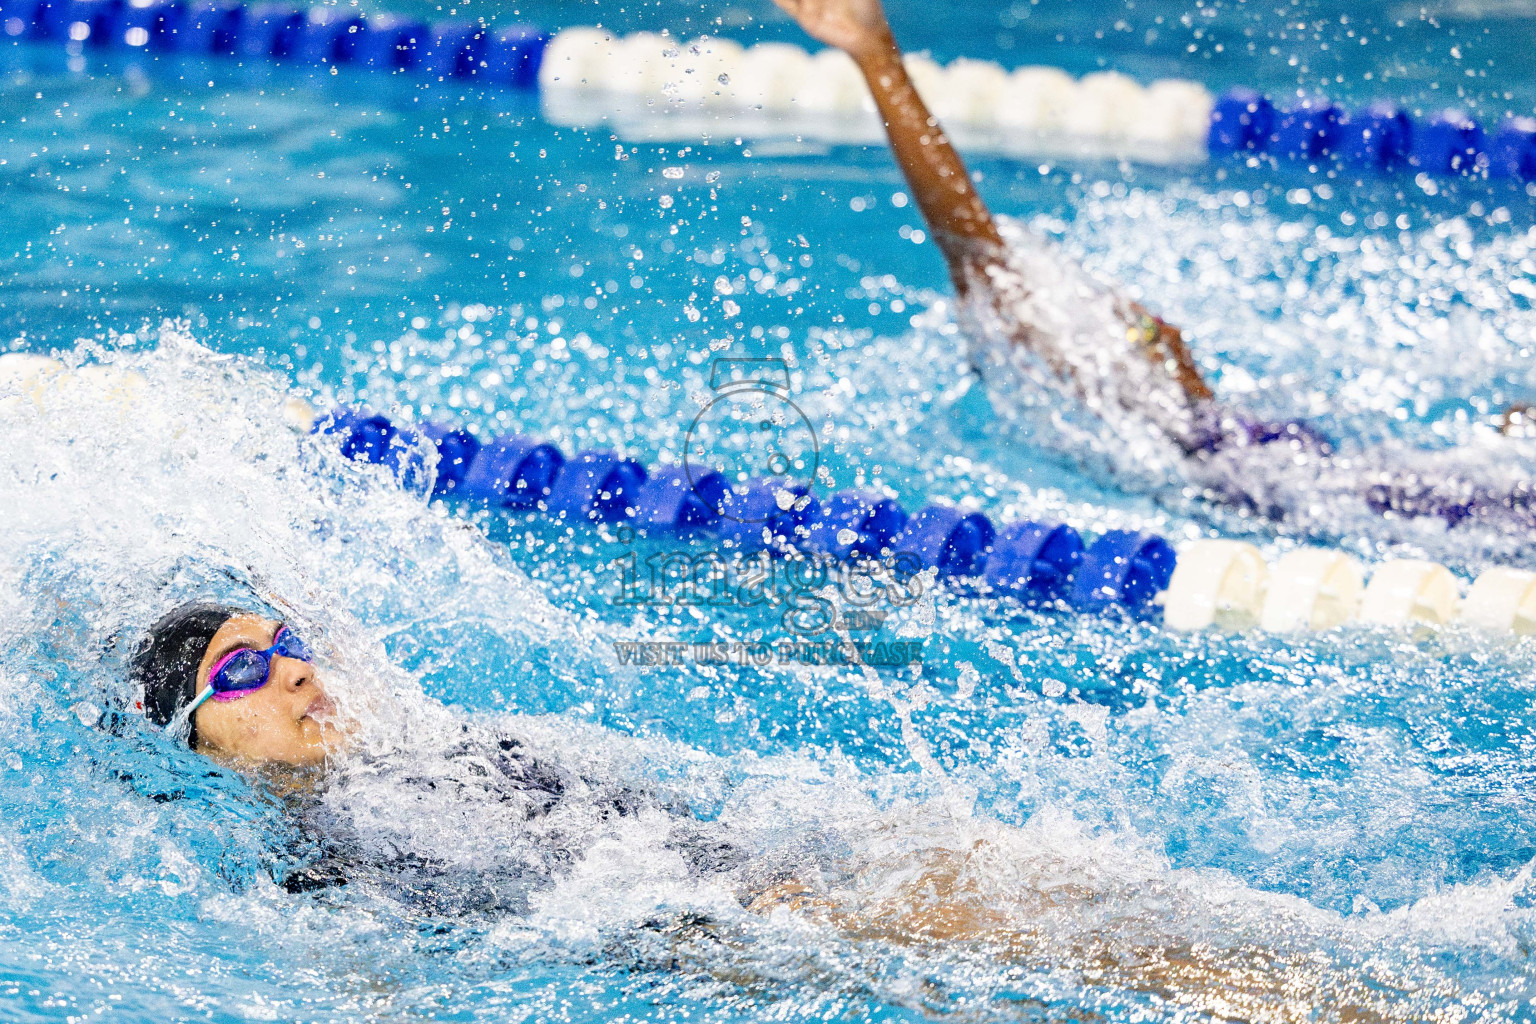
{"type": "Point", "coordinates": [167, 659]}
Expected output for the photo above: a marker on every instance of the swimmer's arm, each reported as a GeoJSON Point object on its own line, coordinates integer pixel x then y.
{"type": "Point", "coordinates": [961, 224]}
{"type": "Point", "coordinates": [947, 904]}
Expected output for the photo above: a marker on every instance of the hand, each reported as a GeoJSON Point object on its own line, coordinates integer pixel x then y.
{"type": "Point", "coordinates": [855, 26]}
{"type": "Point", "coordinates": [1164, 346]}
{"type": "Point", "coordinates": [1519, 420]}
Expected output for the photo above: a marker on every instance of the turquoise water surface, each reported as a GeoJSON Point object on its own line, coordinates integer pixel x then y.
{"type": "Point", "coordinates": [1359, 800]}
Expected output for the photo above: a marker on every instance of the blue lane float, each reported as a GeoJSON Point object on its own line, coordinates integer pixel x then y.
{"type": "Point", "coordinates": [1308, 131]}
{"type": "Point", "coordinates": [856, 524]}
{"type": "Point", "coordinates": [80, 20]}
{"type": "Point", "coordinates": [513, 56]}
{"type": "Point", "coordinates": [368, 439]}
{"type": "Point", "coordinates": [144, 26]}
{"type": "Point", "coordinates": [328, 37]}
{"type": "Point", "coordinates": [1380, 136]}
{"type": "Point", "coordinates": [513, 472]}
{"type": "Point", "coordinates": [1512, 151]}
{"type": "Point", "coordinates": [508, 57]}
{"type": "Point", "coordinates": [364, 436]}
{"type": "Point", "coordinates": [1241, 120]}
{"type": "Point", "coordinates": [390, 43]}
{"type": "Point", "coordinates": [205, 28]}
{"type": "Point", "coordinates": [674, 500]}
{"type": "Point", "coordinates": [1450, 142]}
{"type": "Point", "coordinates": [451, 51]}
{"type": "Point", "coordinates": [597, 484]}
{"type": "Point", "coordinates": [269, 30]}
{"type": "Point", "coordinates": [948, 539]}
{"type": "Point", "coordinates": [372, 438]}
{"type": "Point", "coordinates": [456, 449]}
{"type": "Point", "coordinates": [1123, 569]}
{"type": "Point", "coordinates": [767, 513]}
{"type": "Point", "coordinates": [1033, 562]}
{"type": "Point", "coordinates": [1377, 137]}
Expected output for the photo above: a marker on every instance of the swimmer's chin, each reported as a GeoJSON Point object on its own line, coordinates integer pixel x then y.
{"type": "Point", "coordinates": [325, 725]}
{"type": "Point", "coordinates": [326, 735]}
{"type": "Point", "coordinates": [322, 736]}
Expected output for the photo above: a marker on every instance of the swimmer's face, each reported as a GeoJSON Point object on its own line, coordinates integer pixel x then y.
{"type": "Point", "coordinates": [289, 720]}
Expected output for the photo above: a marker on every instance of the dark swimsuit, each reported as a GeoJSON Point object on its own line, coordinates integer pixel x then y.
{"type": "Point", "coordinates": [506, 773]}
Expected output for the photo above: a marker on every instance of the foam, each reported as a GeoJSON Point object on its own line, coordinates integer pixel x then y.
{"type": "Point", "coordinates": [206, 473]}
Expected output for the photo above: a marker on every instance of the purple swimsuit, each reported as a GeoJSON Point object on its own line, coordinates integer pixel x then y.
{"type": "Point", "coordinates": [1400, 493]}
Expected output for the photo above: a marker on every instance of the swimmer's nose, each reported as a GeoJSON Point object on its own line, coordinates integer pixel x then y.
{"type": "Point", "coordinates": [291, 674]}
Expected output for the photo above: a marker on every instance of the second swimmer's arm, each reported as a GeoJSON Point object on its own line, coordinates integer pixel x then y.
{"type": "Point", "coordinates": [961, 223]}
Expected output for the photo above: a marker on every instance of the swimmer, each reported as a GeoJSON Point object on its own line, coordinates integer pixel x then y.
{"type": "Point", "coordinates": [1115, 355]}
{"type": "Point", "coordinates": [245, 688]}
{"type": "Point", "coordinates": [243, 685]}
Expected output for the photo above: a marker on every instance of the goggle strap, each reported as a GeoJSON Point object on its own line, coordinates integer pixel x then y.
{"type": "Point", "coordinates": [199, 701]}
{"type": "Point", "coordinates": [178, 726]}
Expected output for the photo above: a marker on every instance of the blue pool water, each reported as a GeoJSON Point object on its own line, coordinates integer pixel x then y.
{"type": "Point", "coordinates": [1361, 798]}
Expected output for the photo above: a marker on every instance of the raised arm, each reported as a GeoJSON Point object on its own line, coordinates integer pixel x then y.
{"type": "Point", "coordinates": [960, 222]}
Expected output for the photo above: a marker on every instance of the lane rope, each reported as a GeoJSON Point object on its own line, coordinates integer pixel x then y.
{"type": "Point", "coordinates": [1205, 584]}
{"type": "Point", "coordinates": [1022, 109]}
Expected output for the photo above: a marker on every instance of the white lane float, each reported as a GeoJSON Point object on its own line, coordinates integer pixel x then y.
{"type": "Point", "coordinates": [994, 105]}
{"type": "Point", "coordinates": [580, 58]}
{"type": "Point", "coordinates": [1406, 590]}
{"type": "Point", "coordinates": [1218, 583]}
{"type": "Point", "coordinates": [1312, 588]}
{"type": "Point", "coordinates": [833, 86]}
{"type": "Point", "coordinates": [39, 380]}
{"type": "Point", "coordinates": [972, 92]}
{"type": "Point", "coordinates": [299, 414]}
{"type": "Point", "coordinates": [1037, 99]}
{"type": "Point", "coordinates": [928, 77]}
{"type": "Point", "coordinates": [1226, 584]}
{"type": "Point", "coordinates": [701, 72]}
{"type": "Point", "coordinates": [1502, 601]}
{"type": "Point", "coordinates": [1174, 112]}
{"type": "Point", "coordinates": [637, 65]}
{"type": "Point", "coordinates": [1107, 106]}
{"type": "Point", "coordinates": [22, 375]}
{"type": "Point", "coordinates": [769, 75]}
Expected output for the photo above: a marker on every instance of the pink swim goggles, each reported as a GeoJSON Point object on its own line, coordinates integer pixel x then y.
{"type": "Point", "coordinates": [245, 669]}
